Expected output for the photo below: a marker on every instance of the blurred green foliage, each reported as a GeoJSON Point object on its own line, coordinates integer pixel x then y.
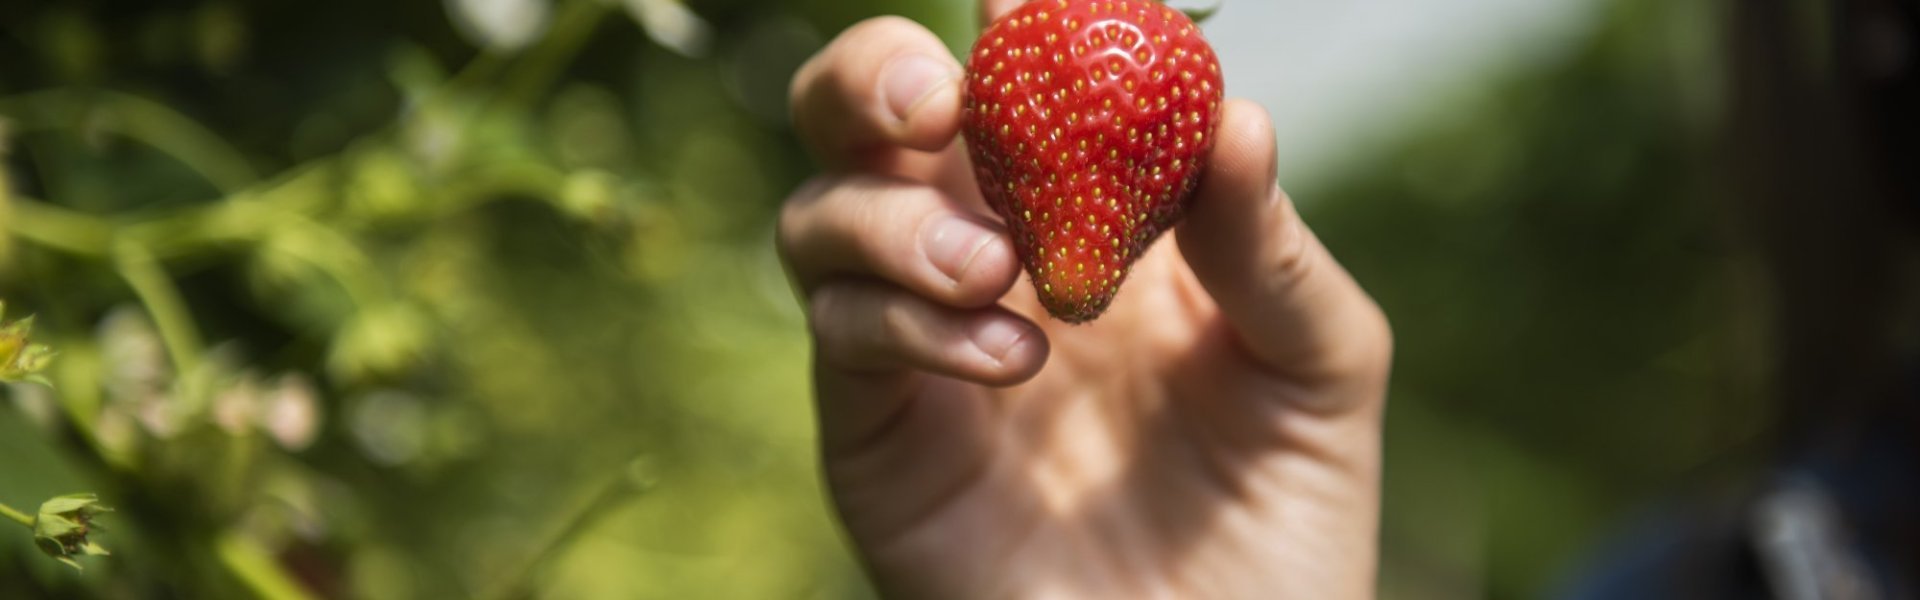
{"type": "Point", "coordinates": [398, 300]}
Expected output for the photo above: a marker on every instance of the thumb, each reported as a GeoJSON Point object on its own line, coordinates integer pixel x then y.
{"type": "Point", "coordinates": [1294, 308]}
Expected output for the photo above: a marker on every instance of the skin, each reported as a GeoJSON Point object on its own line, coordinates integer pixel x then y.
{"type": "Point", "coordinates": [1216, 434]}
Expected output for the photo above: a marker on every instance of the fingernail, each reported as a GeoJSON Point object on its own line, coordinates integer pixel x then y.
{"type": "Point", "coordinates": [910, 78]}
{"type": "Point", "coordinates": [953, 242]}
{"type": "Point", "coordinates": [998, 336]}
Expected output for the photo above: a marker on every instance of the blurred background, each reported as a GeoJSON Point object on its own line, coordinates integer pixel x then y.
{"type": "Point", "coordinates": [477, 298]}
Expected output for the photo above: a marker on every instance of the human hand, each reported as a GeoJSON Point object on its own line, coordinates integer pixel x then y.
{"type": "Point", "coordinates": [1215, 434]}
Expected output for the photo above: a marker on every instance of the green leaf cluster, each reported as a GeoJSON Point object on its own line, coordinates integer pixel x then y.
{"type": "Point", "coordinates": [63, 524]}
{"type": "Point", "coordinates": [20, 359]}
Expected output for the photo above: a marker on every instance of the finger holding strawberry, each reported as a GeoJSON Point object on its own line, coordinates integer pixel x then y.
{"type": "Point", "coordinates": [1214, 432]}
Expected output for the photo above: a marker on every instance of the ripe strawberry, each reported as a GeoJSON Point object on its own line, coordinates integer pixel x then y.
{"type": "Point", "coordinates": [1088, 122]}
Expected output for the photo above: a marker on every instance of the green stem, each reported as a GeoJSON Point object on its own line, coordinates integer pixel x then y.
{"type": "Point", "coordinates": [16, 515]}
{"type": "Point", "coordinates": [256, 568]}
{"type": "Point", "coordinates": [58, 228]}
{"type": "Point", "coordinates": [543, 63]}
{"type": "Point", "coordinates": [155, 290]}
{"type": "Point", "coordinates": [512, 581]}
{"type": "Point", "coordinates": [195, 231]}
{"type": "Point", "coordinates": [337, 256]}
{"type": "Point", "coordinates": [149, 122]}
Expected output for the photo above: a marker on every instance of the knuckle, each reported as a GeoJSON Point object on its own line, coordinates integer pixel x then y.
{"type": "Point", "coordinates": [881, 222]}
{"type": "Point", "coordinates": [897, 322]}
{"type": "Point", "coordinates": [822, 305]}
{"type": "Point", "coordinates": [794, 212]}
{"type": "Point", "coordinates": [884, 222]}
{"type": "Point", "coordinates": [1293, 261]}
{"type": "Point", "coordinates": [826, 318]}
{"type": "Point", "coordinates": [865, 212]}
{"type": "Point", "coordinates": [1364, 355]}
{"type": "Point", "coordinates": [859, 324]}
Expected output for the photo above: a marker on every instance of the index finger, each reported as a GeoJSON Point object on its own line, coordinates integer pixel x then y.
{"type": "Point", "coordinates": [884, 86]}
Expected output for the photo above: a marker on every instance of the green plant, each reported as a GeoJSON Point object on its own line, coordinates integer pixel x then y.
{"type": "Point", "coordinates": [62, 525]}
{"type": "Point", "coordinates": [20, 359]}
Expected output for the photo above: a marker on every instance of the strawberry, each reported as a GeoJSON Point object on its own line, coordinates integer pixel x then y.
{"type": "Point", "coordinates": [1088, 122]}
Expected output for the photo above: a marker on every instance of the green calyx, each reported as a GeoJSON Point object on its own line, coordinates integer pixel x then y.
{"type": "Point", "coordinates": [1200, 15]}
{"type": "Point", "coordinates": [61, 527]}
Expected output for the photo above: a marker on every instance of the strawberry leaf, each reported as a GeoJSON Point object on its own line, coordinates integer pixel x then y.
{"type": "Point", "coordinates": [1200, 15]}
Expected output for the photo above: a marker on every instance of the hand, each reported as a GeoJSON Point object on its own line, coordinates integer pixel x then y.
{"type": "Point", "coordinates": [1215, 434]}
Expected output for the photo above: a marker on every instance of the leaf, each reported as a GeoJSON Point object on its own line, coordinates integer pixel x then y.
{"type": "Point", "coordinates": [33, 359]}
{"type": "Point", "coordinates": [1200, 15]}
{"type": "Point", "coordinates": [13, 338]}
{"type": "Point", "coordinates": [18, 329]}
{"type": "Point", "coordinates": [71, 503]}
{"type": "Point", "coordinates": [54, 527]}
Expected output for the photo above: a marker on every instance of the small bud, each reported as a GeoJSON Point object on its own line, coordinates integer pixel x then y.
{"type": "Point", "coordinates": [20, 360]}
{"type": "Point", "coordinates": [61, 528]}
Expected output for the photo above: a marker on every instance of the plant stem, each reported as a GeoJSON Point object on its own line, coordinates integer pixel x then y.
{"type": "Point", "coordinates": [16, 515]}
{"type": "Point", "coordinates": [256, 568]}
{"type": "Point", "coordinates": [572, 27]}
{"type": "Point", "coordinates": [194, 231]}
{"type": "Point", "coordinates": [153, 123]}
{"type": "Point", "coordinates": [55, 227]}
{"type": "Point", "coordinates": [155, 290]}
{"type": "Point", "coordinates": [512, 582]}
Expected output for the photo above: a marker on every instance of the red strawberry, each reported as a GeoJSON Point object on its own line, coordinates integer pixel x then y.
{"type": "Point", "coordinates": [1088, 122]}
